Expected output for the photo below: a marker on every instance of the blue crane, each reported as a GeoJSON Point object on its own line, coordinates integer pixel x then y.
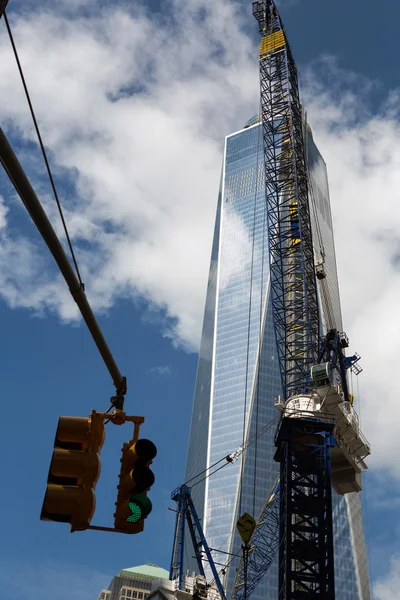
{"type": "Point", "coordinates": [187, 515]}
{"type": "Point", "coordinates": [319, 445]}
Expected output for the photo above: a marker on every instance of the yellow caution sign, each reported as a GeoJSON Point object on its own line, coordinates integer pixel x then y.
{"type": "Point", "coordinates": [246, 526]}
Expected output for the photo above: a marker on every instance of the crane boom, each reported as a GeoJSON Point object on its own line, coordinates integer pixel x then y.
{"type": "Point", "coordinates": [293, 282]}
{"type": "Point", "coordinates": [187, 513]}
{"type": "Point", "coordinates": [262, 549]}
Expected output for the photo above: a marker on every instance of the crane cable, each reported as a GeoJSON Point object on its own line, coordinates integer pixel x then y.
{"type": "Point", "coordinates": [205, 470]}
{"type": "Point", "coordinates": [260, 337]}
{"type": "Point", "coordinates": [327, 301]}
{"type": "Point", "coordinates": [250, 441]}
{"type": "Point", "coordinates": [313, 204]}
{"type": "Point", "coordinates": [364, 490]}
{"type": "Point", "coordinates": [247, 351]}
{"type": "Point", "coordinates": [249, 328]}
{"type": "Point", "coordinates": [209, 475]}
{"type": "Point", "coordinates": [42, 146]}
{"type": "Point", "coordinates": [316, 216]}
{"type": "Point", "coordinates": [229, 458]}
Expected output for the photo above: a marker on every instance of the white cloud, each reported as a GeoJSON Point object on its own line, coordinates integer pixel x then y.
{"type": "Point", "coordinates": [3, 213]}
{"type": "Point", "coordinates": [164, 370]}
{"type": "Point", "coordinates": [146, 164]}
{"type": "Point", "coordinates": [136, 114]}
{"type": "Point", "coordinates": [388, 588]}
{"type": "Point", "coordinates": [362, 152]}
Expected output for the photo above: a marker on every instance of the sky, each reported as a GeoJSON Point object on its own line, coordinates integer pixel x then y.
{"type": "Point", "coordinates": [133, 101]}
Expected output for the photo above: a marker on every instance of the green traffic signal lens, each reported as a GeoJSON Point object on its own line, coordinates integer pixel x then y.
{"type": "Point", "coordinates": [136, 512]}
{"type": "Point", "coordinates": [140, 506]}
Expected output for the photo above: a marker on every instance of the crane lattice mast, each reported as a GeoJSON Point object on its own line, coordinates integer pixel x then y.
{"type": "Point", "coordinates": [293, 281]}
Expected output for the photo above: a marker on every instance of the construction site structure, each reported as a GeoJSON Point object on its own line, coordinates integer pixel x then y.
{"type": "Point", "coordinates": [319, 443]}
{"type": "Point", "coordinates": [187, 517]}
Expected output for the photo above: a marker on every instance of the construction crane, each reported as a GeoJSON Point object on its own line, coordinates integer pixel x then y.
{"type": "Point", "coordinates": [319, 445]}
{"type": "Point", "coordinates": [319, 442]}
{"type": "Point", "coordinates": [187, 515]}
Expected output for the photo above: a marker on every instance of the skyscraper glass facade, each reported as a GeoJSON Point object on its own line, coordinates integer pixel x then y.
{"type": "Point", "coordinates": [238, 374]}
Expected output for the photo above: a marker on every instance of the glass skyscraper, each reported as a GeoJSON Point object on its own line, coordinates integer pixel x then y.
{"type": "Point", "coordinates": [238, 375]}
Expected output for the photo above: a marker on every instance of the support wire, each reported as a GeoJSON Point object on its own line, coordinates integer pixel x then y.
{"type": "Point", "coordinates": [42, 146]}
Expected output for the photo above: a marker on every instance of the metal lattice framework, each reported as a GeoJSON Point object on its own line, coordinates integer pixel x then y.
{"type": "Point", "coordinates": [263, 547]}
{"type": "Point", "coordinates": [306, 538]}
{"type": "Point", "coordinates": [187, 513]}
{"type": "Point", "coordinates": [293, 284]}
{"type": "Point", "coordinates": [303, 530]}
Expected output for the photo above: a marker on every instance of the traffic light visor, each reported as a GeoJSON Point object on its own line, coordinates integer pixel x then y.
{"type": "Point", "coordinates": [69, 504]}
{"type": "Point", "coordinates": [79, 433]}
{"type": "Point", "coordinates": [144, 450]}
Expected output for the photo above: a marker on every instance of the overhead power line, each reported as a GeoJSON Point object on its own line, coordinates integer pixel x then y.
{"type": "Point", "coordinates": [31, 202]}
{"type": "Point", "coordinates": [53, 185]}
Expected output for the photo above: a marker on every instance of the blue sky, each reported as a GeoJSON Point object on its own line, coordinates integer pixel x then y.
{"type": "Point", "coordinates": [133, 106]}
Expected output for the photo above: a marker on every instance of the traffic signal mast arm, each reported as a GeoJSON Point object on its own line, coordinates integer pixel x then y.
{"type": "Point", "coordinates": [31, 202]}
{"type": "Point", "coordinates": [3, 6]}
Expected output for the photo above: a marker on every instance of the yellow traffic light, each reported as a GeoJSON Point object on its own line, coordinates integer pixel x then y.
{"type": "Point", "coordinates": [74, 471]}
{"type": "Point", "coordinates": [135, 479]}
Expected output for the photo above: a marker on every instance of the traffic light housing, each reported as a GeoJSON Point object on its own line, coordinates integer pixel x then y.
{"type": "Point", "coordinates": [135, 479]}
{"type": "Point", "coordinates": [74, 471]}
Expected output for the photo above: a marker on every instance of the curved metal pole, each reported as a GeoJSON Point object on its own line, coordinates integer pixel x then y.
{"type": "Point", "coordinates": [3, 5]}
{"type": "Point", "coordinates": [32, 204]}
